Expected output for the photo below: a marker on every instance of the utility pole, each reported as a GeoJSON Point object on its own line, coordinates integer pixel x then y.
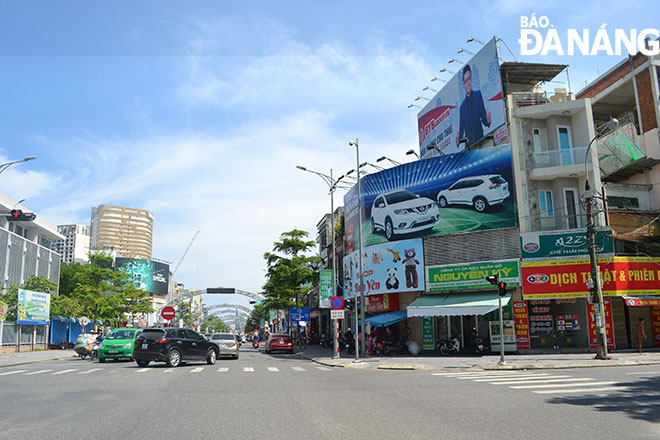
{"type": "Point", "coordinates": [596, 293]}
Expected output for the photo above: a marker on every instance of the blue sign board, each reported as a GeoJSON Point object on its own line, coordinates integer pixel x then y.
{"type": "Point", "coordinates": [299, 315]}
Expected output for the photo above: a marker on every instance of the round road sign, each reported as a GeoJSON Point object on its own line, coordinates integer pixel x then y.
{"type": "Point", "coordinates": [168, 312]}
{"type": "Point", "coordinates": [336, 303]}
{"type": "Point", "coordinates": [84, 320]}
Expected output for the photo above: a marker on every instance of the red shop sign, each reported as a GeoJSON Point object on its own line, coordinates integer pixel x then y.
{"type": "Point", "coordinates": [522, 325]}
{"type": "Point", "coordinates": [609, 325]}
{"type": "Point", "coordinates": [386, 302]}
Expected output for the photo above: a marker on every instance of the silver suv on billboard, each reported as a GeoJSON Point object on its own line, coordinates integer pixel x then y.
{"type": "Point", "coordinates": [481, 192]}
{"type": "Point", "coordinates": [402, 212]}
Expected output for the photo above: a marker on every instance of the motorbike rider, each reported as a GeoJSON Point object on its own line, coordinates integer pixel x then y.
{"type": "Point", "coordinates": [255, 338]}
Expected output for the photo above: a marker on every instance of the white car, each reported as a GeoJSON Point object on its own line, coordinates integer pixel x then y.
{"type": "Point", "coordinates": [480, 192]}
{"type": "Point", "coordinates": [402, 212]}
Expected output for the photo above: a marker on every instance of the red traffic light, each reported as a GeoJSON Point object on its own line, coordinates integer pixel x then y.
{"type": "Point", "coordinates": [16, 213]}
{"type": "Point", "coordinates": [502, 285]}
{"type": "Point", "coordinates": [492, 279]}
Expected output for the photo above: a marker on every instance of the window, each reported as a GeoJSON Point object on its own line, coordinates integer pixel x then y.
{"type": "Point", "coordinates": [622, 202]}
{"type": "Point", "coordinates": [538, 135]}
{"type": "Point", "coordinates": [545, 199]}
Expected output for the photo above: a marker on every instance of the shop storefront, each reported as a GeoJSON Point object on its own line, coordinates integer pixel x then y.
{"type": "Point", "coordinates": [560, 317]}
{"type": "Point", "coordinates": [459, 301]}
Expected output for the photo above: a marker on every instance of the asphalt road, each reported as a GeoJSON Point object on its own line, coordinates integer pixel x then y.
{"type": "Point", "coordinates": [270, 397]}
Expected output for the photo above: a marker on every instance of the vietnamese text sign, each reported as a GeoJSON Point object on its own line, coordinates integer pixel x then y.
{"type": "Point", "coordinates": [568, 244]}
{"type": "Point", "coordinates": [428, 335]}
{"type": "Point", "coordinates": [389, 267]}
{"type": "Point", "coordinates": [299, 315]}
{"type": "Point", "coordinates": [655, 323]}
{"type": "Point", "coordinates": [325, 288]}
{"type": "Point", "coordinates": [609, 325]}
{"type": "Point", "coordinates": [469, 191]}
{"type": "Point", "coordinates": [472, 275]}
{"type": "Point", "coordinates": [33, 308]}
{"type": "Point", "coordinates": [567, 278]}
{"type": "Point", "coordinates": [382, 303]}
{"type": "Point", "coordinates": [469, 106]}
{"type": "Point", "coordinates": [522, 325]}
{"type": "Point", "coordinates": [336, 314]}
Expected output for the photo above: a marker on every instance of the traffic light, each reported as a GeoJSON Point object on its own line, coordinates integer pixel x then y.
{"type": "Point", "coordinates": [16, 215]}
{"type": "Point", "coordinates": [501, 288]}
{"type": "Point", "coordinates": [493, 279]}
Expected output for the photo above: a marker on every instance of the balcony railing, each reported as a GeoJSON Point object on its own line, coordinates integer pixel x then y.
{"type": "Point", "coordinates": [558, 158]}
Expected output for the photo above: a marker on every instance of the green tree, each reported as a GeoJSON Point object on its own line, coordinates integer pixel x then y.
{"type": "Point", "coordinates": [212, 323]}
{"type": "Point", "coordinates": [289, 270]}
{"type": "Point", "coordinates": [35, 284]}
{"type": "Point", "coordinates": [258, 314]}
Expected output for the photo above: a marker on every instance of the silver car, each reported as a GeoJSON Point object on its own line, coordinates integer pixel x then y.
{"type": "Point", "coordinates": [227, 344]}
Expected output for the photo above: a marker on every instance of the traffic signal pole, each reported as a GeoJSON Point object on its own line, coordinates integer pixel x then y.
{"type": "Point", "coordinates": [499, 299]}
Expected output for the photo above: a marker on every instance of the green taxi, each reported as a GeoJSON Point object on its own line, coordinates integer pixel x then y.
{"type": "Point", "coordinates": [118, 344]}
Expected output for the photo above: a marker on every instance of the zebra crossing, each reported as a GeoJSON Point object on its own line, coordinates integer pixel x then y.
{"type": "Point", "coordinates": [538, 383]}
{"type": "Point", "coordinates": [146, 370]}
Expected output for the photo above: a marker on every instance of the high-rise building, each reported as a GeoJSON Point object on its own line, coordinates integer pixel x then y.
{"type": "Point", "coordinates": [129, 231]}
{"type": "Point", "coordinates": [75, 247]}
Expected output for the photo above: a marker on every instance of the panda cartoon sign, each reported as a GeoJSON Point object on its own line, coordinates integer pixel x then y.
{"type": "Point", "coordinates": [387, 268]}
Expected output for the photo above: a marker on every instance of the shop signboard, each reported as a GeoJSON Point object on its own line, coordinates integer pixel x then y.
{"type": "Point", "coordinates": [428, 333]}
{"type": "Point", "coordinates": [522, 325]}
{"type": "Point", "coordinates": [609, 325]}
{"type": "Point", "coordinates": [564, 244]}
{"type": "Point", "coordinates": [630, 301]}
{"type": "Point", "coordinates": [387, 268]}
{"type": "Point", "coordinates": [467, 108]}
{"type": "Point", "coordinates": [469, 191]}
{"type": "Point", "coordinates": [655, 323]}
{"type": "Point", "coordinates": [325, 288]}
{"type": "Point", "coordinates": [509, 336]}
{"type": "Point", "coordinates": [472, 275]}
{"type": "Point", "coordinates": [3, 310]}
{"type": "Point", "coordinates": [33, 308]}
{"type": "Point", "coordinates": [382, 303]}
{"type": "Point", "coordinates": [567, 278]}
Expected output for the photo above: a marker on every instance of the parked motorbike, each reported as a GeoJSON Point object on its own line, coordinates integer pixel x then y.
{"type": "Point", "coordinates": [326, 341]}
{"type": "Point", "coordinates": [477, 343]}
{"type": "Point", "coordinates": [393, 348]}
{"type": "Point", "coordinates": [450, 346]}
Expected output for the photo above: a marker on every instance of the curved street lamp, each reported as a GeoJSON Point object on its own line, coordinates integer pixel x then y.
{"type": "Point", "coordinates": [4, 166]}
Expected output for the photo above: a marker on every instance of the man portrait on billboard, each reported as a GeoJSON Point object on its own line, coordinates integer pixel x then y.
{"type": "Point", "coordinates": [472, 112]}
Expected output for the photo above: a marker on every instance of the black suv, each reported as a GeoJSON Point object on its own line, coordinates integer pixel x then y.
{"type": "Point", "coordinates": [173, 346]}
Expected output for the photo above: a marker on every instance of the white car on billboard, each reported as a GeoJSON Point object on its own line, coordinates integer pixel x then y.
{"type": "Point", "coordinates": [402, 212]}
{"type": "Point", "coordinates": [481, 192]}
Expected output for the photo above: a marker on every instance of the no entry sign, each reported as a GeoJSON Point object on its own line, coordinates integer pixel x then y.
{"type": "Point", "coordinates": [336, 303]}
{"type": "Point", "coordinates": [168, 312]}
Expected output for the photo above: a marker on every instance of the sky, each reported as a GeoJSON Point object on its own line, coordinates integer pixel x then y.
{"type": "Point", "coordinates": [200, 111]}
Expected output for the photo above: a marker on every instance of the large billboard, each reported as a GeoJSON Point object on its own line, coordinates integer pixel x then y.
{"type": "Point", "coordinates": [468, 191]}
{"type": "Point", "coordinates": [387, 268]}
{"type": "Point", "coordinates": [469, 107]}
{"type": "Point", "coordinates": [33, 308]}
{"type": "Point", "coordinates": [150, 276]}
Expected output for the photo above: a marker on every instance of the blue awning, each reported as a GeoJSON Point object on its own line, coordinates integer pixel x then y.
{"type": "Point", "coordinates": [387, 319]}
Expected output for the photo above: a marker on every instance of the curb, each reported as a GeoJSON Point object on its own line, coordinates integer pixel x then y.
{"type": "Point", "coordinates": [34, 361]}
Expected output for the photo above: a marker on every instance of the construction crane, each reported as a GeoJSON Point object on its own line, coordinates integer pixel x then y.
{"type": "Point", "coordinates": [185, 253]}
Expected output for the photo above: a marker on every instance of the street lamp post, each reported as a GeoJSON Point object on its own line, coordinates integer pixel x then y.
{"type": "Point", "coordinates": [356, 144]}
{"type": "Point", "coordinates": [594, 285]}
{"type": "Point", "coordinates": [4, 166]}
{"type": "Point", "coordinates": [332, 184]}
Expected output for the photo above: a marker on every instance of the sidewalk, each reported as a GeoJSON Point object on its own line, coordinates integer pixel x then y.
{"type": "Point", "coordinates": [28, 357]}
{"type": "Point", "coordinates": [323, 356]}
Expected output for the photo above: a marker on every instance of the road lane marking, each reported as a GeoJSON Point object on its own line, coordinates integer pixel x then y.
{"type": "Point", "coordinates": [324, 368]}
{"type": "Point", "coordinates": [37, 372]}
{"type": "Point", "coordinates": [297, 369]}
{"type": "Point", "coordinates": [223, 369]}
{"type": "Point", "coordinates": [273, 369]}
{"type": "Point", "coordinates": [12, 372]}
{"type": "Point", "coordinates": [248, 370]}
{"type": "Point", "coordinates": [557, 385]}
{"type": "Point", "coordinates": [645, 372]}
{"type": "Point", "coordinates": [66, 371]}
{"type": "Point", "coordinates": [581, 390]}
{"type": "Point", "coordinates": [515, 382]}
{"type": "Point", "coordinates": [143, 370]}
{"type": "Point", "coordinates": [169, 370]}
{"type": "Point", "coordinates": [485, 378]}
{"type": "Point", "coordinates": [89, 371]}
{"type": "Point", "coordinates": [469, 373]}
{"type": "Point", "coordinates": [197, 370]}
{"type": "Point", "coordinates": [527, 378]}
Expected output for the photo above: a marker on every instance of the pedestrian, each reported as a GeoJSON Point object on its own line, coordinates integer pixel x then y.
{"type": "Point", "coordinates": [640, 333]}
